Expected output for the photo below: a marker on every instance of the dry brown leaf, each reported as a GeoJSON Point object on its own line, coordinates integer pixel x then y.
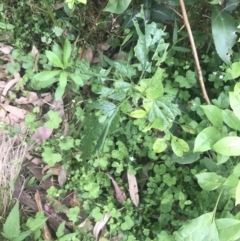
{"type": "Point", "coordinates": [104, 46]}
{"type": "Point", "coordinates": [119, 56]}
{"type": "Point", "coordinates": [62, 176]}
{"type": "Point", "coordinates": [100, 225]}
{"type": "Point", "coordinates": [6, 49]}
{"type": "Point", "coordinates": [31, 98]}
{"type": "Point", "coordinates": [117, 238]}
{"type": "Point", "coordinates": [41, 133]}
{"type": "Point", "coordinates": [133, 189]}
{"type": "Point", "coordinates": [87, 54]}
{"type": "Point", "coordinates": [45, 98]}
{"type": "Point", "coordinates": [86, 225]}
{"type": "Point", "coordinates": [58, 106]}
{"type": "Point", "coordinates": [120, 194]}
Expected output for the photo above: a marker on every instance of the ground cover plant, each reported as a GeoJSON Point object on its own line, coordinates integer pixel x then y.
{"type": "Point", "coordinates": [130, 116]}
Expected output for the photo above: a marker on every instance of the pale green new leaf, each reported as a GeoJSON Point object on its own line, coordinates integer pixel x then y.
{"type": "Point", "coordinates": [228, 229]}
{"type": "Point", "coordinates": [224, 29]}
{"type": "Point", "coordinates": [197, 229]}
{"type": "Point", "coordinates": [46, 75]}
{"type": "Point", "coordinates": [77, 79]}
{"type": "Point", "coordinates": [206, 138]}
{"type": "Point", "coordinates": [59, 92]}
{"type": "Point", "coordinates": [237, 194]}
{"type": "Point", "coordinates": [67, 50]}
{"type": "Point", "coordinates": [230, 119]}
{"type": "Point", "coordinates": [228, 146]}
{"type": "Point", "coordinates": [234, 99]}
{"type": "Point", "coordinates": [209, 181]}
{"type": "Point", "coordinates": [214, 114]}
{"type": "Point", "coordinates": [159, 145]}
{"type": "Point", "coordinates": [117, 6]}
{"type": "Point", "coordinates": [179, 146]}
{"type": "Point", "coordinates": [11, 228]}
{"type": "Point", "coordinates": [138, 114]}
{"type": "Point", "coordinates": [234, 71]}
{"type": "Point", "coordinates": [54, 59]}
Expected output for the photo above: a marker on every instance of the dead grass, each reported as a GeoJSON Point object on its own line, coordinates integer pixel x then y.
{"type": "Point", "coordinates": [12, 153]}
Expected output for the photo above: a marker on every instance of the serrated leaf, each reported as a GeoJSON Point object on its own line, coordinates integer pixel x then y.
{"type": "Point", "coordinates": [54, 59]}
{"type": "Point", "coordinates": [206, 138]}
{"type": "Point", "coordinates": [214, 115]}
{"type": "Point", "coordinates": [117, 6]}
{"type": "Point", "coordinates": [46, 75]}
{"type": "Point", "coordinates": [224, 29]}
{"type": "Point", "coordinates": [11, 228]}
{"type": "Point", "coordinates": [209, 181]}
{"type": "Point", "coordinates": [67, 50]}
{"type": "Point", "coordinates": [228, 146]}
{"type": "Point", "coordinates": [197, 229]}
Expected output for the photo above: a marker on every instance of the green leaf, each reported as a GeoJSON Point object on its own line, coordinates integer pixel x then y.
{"type": "Point", "coordinates": [234, 99]}
{"type": "Point", "coordinates": [57, 50]}
{"type": "Point", "coordinates": [54, 59]}
{"type": "Point", "coordinates": [138, 114]}
{"type": "Point", "coordinates": [187, 82]}
{"type": "Point", "coordinates": [60, 230]}
{"type": "Point", "coordinates": [46, 75]}
{"type": "Point", "coordinates": [209, 181]}
{"type": "Point", "coordinates": [77, 79]}
{"type": "Point", "coordinates": [63, 80]}
{"type": "Point", "coordinates": [117, 6]}
{"type": "Point", "coordinates": [228, 229]}
{"type": "Point", "coordinates": [228, 146]}
{"type": "Point", "coordinates": [179, 146]}
{"type": "Point", "coordinates": [72, 214]}
{"type": "Point", "coordinates": [59, 92]}
{"type": "Point", "coordinates": [224, 29]}
{"type": "Point", "coordinates": [231, 120]}
{"type": "Point", "coordinates": [50, 157]}
{"type": "Point", "coordinates": [234, 71]}
{"type": "Point", "coordinates": [128, 224]}
{"type": "Point", "coordinates": [95, 133]}
{"type": "Point", "coordinates": [237, 194]}
{"type": "Point", "coordinates": [214, 115]}
{"type": "Point", "coordinates": [67, 50]}
{"type": "Point", "coordinates": [54, 120]}
{"type": "Point", "coordinates": [198, 229]}
{"type": "Point", "coordinates": [206, 138]}
{"type": "Point", "coordinates": [159, 145]}
{"type": "Point", "coordinates": [11, 228]}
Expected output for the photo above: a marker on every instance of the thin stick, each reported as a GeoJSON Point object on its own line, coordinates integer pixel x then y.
{"type": "Point", "coordinates": [194, 51]}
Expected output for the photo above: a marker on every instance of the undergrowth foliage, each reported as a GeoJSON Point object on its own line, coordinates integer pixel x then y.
{"type": "Point", "coordinates": [144, 155]}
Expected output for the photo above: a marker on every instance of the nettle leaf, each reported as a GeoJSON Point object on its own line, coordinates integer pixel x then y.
{"type": "Point", "coordinates": [206, 138]}
{"type": "Point", "coordinates": [67, 50]}
{"type": "Point", "coordinates": [198, 229]}
{"type": "Point", "coordinates": [54, 59]}
{"type": "Point", "coordinates": [224, 29]}
{"type": "Point", "coordinates": [117, 6]}
{"type": "Point", "coordinates": [228, 146]}
{"type": "Point", "coordinates": [153, 35]}
{"type": "Point", "coordinates": [11, 228]}
{"type": "Point", "coordinates": [214, 115]}
{"type": "Point", "coordinates": [228, 229]}
{"type": "Point", "coordinates": [234, 99]}
{"type": "Point", "coordinates": [209, 181]}
{"type": "Point", "coordinates": [95, 132]}
{"type": "Point", "coordinates": [231, 120]}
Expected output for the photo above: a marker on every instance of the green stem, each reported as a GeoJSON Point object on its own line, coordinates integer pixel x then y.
{"type": "Point", "coordinates": [50, 12]}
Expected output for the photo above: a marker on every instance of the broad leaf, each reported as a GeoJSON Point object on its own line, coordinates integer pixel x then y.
{"type": "Point", "coordinates": [234, 99]}
{"type": "Point", "coordinates": [54, 59]}
{"type": "Point", "coordinates": [231, 120]}
{"type": "Point", "coordinates": [63, 80]}
{"type": "Point", "coordinates": [198, 229]}
{"type": "Point", "coordinates": [237, 194]}
{"type": "Point", "coordinates": [214, 115]}
{"type": "Point", "coordinates": [138, 114]}
{"type": "Point", "coordinates": [224, 32]}
{"type": "Point", "coordinates": [46, 75]}
{"type": "Point", "coordinates": [228, 146]}
{"type": "Point", "coordinates": [59, 92]}
{"type": "Point", "coordinates": [206, 138]}
{"type": "Point", "coordinates": [159, 145]}
{"type": "Point", "coordinates": [228, 229]}
{"type": "Point", "coordinates": [67, 50]}
{"type": "Point", "coordinates": [11, 228]}
{"type": "Point", "coordinates": [234, 71]}
{"type": "Point", "coordinates": [117, 6]}
{"type": "Point", "coordinates": [179, 146]}
{"type": "Point", "coordinates": [209, 181]}
{"type": "Point", "coordinates": [77, 79]}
